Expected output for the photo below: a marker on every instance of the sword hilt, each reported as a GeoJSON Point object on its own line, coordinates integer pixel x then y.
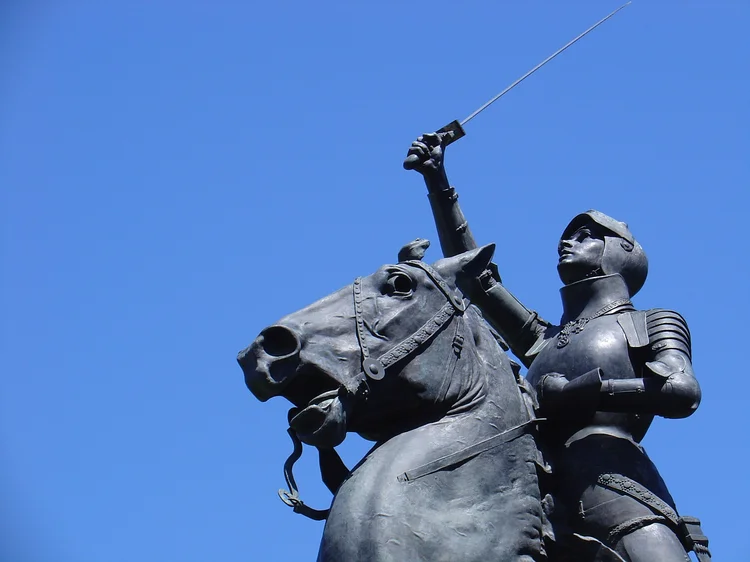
{"type": "Point", "coordinates": [448, 134]}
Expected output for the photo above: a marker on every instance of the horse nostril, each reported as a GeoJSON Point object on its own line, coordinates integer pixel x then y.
{"type": "Point", "coordinates": [278, 341]}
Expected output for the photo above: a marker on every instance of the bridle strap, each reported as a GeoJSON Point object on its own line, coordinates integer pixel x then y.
{"type": "Point", "coordinates": [375, 368]}
{"type": "Point", "coordinates": [453, 297]}
{"type": "Point", "coordinates": [425, 333]}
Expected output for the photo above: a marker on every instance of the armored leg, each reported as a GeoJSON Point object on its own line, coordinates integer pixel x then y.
{"type": "Point", "coordinates": [651, 543]}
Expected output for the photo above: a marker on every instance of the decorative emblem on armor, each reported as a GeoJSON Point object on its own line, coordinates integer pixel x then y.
{"type": "Point", "coordinates": [572, 327]}
{"type": "Point", "coordinates": [576, 326]}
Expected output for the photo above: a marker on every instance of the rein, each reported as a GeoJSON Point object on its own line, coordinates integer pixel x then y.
{"type": "Point", "coordinates": [291, 497]}
{"type": "Point", "coordinates": [375, 369]}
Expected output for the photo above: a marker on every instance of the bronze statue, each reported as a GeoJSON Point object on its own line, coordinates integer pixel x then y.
{"type": "Point", "coordinates": [600, 376]}
{"type": "Point", "coordinates": [471, 460]}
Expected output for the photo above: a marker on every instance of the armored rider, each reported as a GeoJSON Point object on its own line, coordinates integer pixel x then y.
{"type": "Point", "coordinates": [600, 377]}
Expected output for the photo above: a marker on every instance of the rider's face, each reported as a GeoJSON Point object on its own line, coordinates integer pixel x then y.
{"type": "Point", "coordinates": [580, 254]}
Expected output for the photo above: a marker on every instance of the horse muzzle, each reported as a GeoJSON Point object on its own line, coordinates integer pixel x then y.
{"type": "Point", "coordinates": [270, 362]}
{"type": "Point", "coordinates": [273, 367]}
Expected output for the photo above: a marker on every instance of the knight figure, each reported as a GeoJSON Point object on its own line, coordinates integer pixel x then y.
{"type": "Point", "coordinates": [600, 376]}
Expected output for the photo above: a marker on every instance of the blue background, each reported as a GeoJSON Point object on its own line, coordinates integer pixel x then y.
{"type": "Point", "coordinates": [177, 175]}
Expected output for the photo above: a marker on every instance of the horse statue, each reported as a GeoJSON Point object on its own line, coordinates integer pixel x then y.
{"type": "Point", "coordinates": [402, 358]}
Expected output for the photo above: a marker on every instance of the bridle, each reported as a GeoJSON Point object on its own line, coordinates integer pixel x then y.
{"type": "Point", "coordinates": [375, 369]}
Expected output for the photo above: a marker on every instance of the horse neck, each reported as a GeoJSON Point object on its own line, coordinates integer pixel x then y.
{"type": "Point", "coordinates": [481, 390]}
{"type": "Point", "coordinates": [476, 395]}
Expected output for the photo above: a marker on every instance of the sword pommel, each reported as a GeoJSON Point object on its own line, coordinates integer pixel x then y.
{"type": "Point", "coordinates": [450, 133]}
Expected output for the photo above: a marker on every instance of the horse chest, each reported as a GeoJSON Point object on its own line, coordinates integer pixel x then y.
{"type": "Point", "coordinates": [486, 508]}
{"type": "Point", "coordinates": [601, 344]}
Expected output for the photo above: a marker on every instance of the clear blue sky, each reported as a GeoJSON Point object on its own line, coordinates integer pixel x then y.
{"type": "Point", "coordinates": [177, 175]}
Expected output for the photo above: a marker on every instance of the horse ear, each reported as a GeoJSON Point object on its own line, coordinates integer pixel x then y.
{"type": "Point", "coordinates": [470, 264]}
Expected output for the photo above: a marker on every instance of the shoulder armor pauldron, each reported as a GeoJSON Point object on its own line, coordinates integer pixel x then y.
{"type": "Point", "coordinates": [667, 330]}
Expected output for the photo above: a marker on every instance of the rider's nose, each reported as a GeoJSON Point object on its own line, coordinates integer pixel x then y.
{"type": "Point", "coordinates": [279, 341]}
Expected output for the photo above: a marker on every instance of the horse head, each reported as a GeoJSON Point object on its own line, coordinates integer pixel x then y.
{"type": "Point", "coordinates": [401, 358]}
{"type": "Point", "coordinates": [355, 360]}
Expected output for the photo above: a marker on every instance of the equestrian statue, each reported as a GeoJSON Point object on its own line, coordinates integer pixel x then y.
{"type": "Point", "coordinates": [471, 460]}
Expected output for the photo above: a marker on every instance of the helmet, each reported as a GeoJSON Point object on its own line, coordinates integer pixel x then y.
{"type": "Point", "coordinates": [622, 254]}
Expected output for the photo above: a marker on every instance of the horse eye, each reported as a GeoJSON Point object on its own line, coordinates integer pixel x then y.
{"type": "Point", "coordinates": [399, 284]}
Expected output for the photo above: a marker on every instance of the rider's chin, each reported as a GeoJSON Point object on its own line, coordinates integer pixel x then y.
{"type": "Point", "coordinates": [321, 425]}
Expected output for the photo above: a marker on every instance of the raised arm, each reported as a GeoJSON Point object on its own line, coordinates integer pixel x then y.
{"type": "Point", "coordinates": [520, 327]}
{"type": "Point", "coordinates": [452, 227]}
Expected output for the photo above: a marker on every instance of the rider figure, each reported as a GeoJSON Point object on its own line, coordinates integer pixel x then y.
{"type": "Point", "coordinates": [600, 376]}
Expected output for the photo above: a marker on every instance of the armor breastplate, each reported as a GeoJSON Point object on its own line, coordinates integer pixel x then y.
{"type": "Point", "coordinates": [602, 344]}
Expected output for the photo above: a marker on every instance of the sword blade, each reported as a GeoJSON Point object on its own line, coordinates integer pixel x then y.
{"type": "Point", "coordinates": [540, 65]}
{"type": "Point", "coordinates": [454, 130]}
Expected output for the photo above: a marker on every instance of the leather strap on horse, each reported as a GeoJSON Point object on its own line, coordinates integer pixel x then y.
{"type": "Point", "coordinates": [291, 496]}
{"type": "Point", "coordinates": [467, 452]}
{"type": "Point", "coordinates": [453, 297]}
{"type": "Point", "coordinates": [375, 368]}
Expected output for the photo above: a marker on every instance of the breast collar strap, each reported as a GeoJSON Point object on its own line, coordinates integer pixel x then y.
{"type": "Point", "coordinates": [468, 452]}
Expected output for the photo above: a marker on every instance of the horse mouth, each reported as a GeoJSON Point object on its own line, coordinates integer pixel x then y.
{"type": "Point", "coordinates": [324, 400]}
{"type": "Point", "coordinates": [322, 422]}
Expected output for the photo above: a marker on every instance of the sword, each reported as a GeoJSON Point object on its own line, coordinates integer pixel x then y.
{"type": "Point", "coordinates": [455, 130]}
